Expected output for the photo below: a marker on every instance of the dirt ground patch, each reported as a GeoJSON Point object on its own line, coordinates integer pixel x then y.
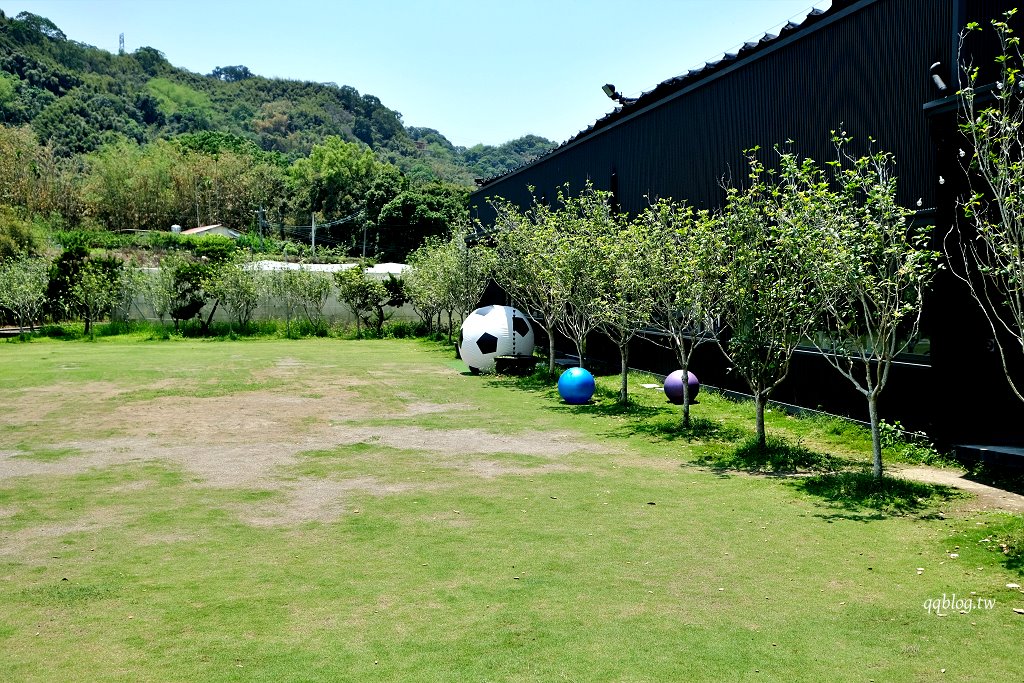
{"type": "Point", "coordinates": [17, 543]}
{"type": "Point", "coordinates": [489, 469]}
{"type": "Point", "coordinates": [38, 403]}
{"type": "Point", "coordinates": [467, 441]}
{"type": "Point", "coordinates": [248, 439]}
{"type": "Point", "coordinates": [316, 500]}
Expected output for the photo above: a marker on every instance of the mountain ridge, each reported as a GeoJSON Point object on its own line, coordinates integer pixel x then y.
{"type": "Point", "coordinates": [77, 97]}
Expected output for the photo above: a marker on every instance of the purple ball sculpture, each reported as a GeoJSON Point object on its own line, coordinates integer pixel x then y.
{"type": "Point", "coordinates": [576, 386]}
{"type": "Point", "coordinates": [674, 386]}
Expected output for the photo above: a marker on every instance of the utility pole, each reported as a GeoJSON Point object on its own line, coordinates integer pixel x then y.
{"type": "Point", "coordinates": [312, 235]}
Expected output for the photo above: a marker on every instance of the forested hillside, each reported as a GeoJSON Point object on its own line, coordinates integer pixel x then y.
{"type": "Point", "coordinates": [76, 97]}
{"type": "Point", "coordinates": [131, 142]}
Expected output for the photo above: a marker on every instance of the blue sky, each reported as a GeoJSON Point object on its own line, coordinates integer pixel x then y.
{"type": "Point", "coordinates": [476, 70]}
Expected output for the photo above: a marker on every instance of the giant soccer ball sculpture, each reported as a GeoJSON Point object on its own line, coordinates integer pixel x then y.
{"type": "Point", "coordinates": [494, 331]}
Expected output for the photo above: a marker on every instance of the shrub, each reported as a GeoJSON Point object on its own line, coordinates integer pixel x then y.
{"type": "Point", "coordinates": [912, 447]}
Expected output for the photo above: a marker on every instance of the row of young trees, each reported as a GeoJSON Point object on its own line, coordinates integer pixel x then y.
{"type": "Point", "coordinates": [91, 288]}
{"type": "Point", "coordinates": [75, 285]}
{"type": "Point", "coordinates": [803, 253]}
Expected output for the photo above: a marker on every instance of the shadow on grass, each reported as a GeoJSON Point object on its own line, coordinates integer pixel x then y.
{"type": "Point", "coordinates": [1012, 545]}
{"type": "Point", "coordinates": [1000, 478]}
{"type": "Point", "coordinates": [1002, 535]}
{"type": "Point", "coordinates": [655, 421]}
{"type": "Point", "coordinates": [539, 379]}
{"type": "Point", "coordinates": [855, 491]}
{"type": "Point", "coordinates": [777, 456]}
{"type": "Point", "coordinates": [610, 408]}
{"type": "Point", "coordinates": [670, 428]}
{"type": "Point", "coordinates": [851, 516]}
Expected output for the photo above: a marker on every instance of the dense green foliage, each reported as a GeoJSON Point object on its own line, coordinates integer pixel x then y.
{"type": "Point", "coordinates": [78, 98]}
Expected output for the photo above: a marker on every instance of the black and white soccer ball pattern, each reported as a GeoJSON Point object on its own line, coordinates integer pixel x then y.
{"type": "Point", "coordinates": [494, 331]}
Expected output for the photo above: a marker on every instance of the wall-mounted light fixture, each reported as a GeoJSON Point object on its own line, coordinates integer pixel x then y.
{"type": "Point", "coordinates": [614, 94]}
{"type": "Point", "coordinates": [937, 79]}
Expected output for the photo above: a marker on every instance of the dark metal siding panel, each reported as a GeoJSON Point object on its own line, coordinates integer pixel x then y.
{"type": "Point", "coordinates": [867, 72]}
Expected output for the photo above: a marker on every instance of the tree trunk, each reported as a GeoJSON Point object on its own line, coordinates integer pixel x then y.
{"type": "Point", "coordinates": [681, 356]}
{"type": "Point", "coordinates": [209, 318]}
{"type": "Point", "coordinates": [686, 399]}
{"type": "Point", "coordinates": [379, 322]}
{"type": "Point", "coordinates": [876, 436]}
{"type": "Point", "coordinates": [759, 419]}
{"type": "Point", "coordinates": [624, 384]}
{"type": "Point", "coordinates": [551, 351]}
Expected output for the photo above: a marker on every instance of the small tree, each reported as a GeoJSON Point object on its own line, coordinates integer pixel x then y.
{"type": "Point", "coordinates": [576, 261]}
{"type": "Point", "coordinates": [991, 261]}
{"type": "Point", "coordinates": [395, 288]}
{"type": "Point", "coordinates": [238, 284]}
{"type": "Point", "coordinates": [525, 265]}
{"type": "Point", "coordinates": [313, 289]}
{"type": "Point", "coordinates": [97, 290]}
{"type": "Point", "coordinates": [160, 289]}
{"type": "Point", "coordinates": [424, 284]}
{"type": "Point", "coordinates": [687, 255]}
{"type": "Point", "coordinates": [872, 284]}
{"type": "Point", "coordinates": [362, 294]}
{"type": "Point", "coordinates": [188, 292]}
{"type": "Point", "coordinates": [768, 306]}
{"type": "Point", "coordinates": [467, 270]}
{"type": "Point", "coordinates": [283, 285]}
{"type": "Point", "coordinates": [624, 278]}
{"type": "Point", "coordinates": [23, 283]}
{"type": "Point", "coordinates": [131, 281]}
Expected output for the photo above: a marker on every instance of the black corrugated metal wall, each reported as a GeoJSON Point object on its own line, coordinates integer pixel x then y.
{"type": "Point", "coordinates": [866, 71]}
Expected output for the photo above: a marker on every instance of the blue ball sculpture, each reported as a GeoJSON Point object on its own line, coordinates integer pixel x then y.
{"type": "Point", "coordinates": [576, 386]}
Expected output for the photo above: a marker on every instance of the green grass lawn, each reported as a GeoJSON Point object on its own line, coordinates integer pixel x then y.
{"type": "Point", "coordinates": [367, 510]}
